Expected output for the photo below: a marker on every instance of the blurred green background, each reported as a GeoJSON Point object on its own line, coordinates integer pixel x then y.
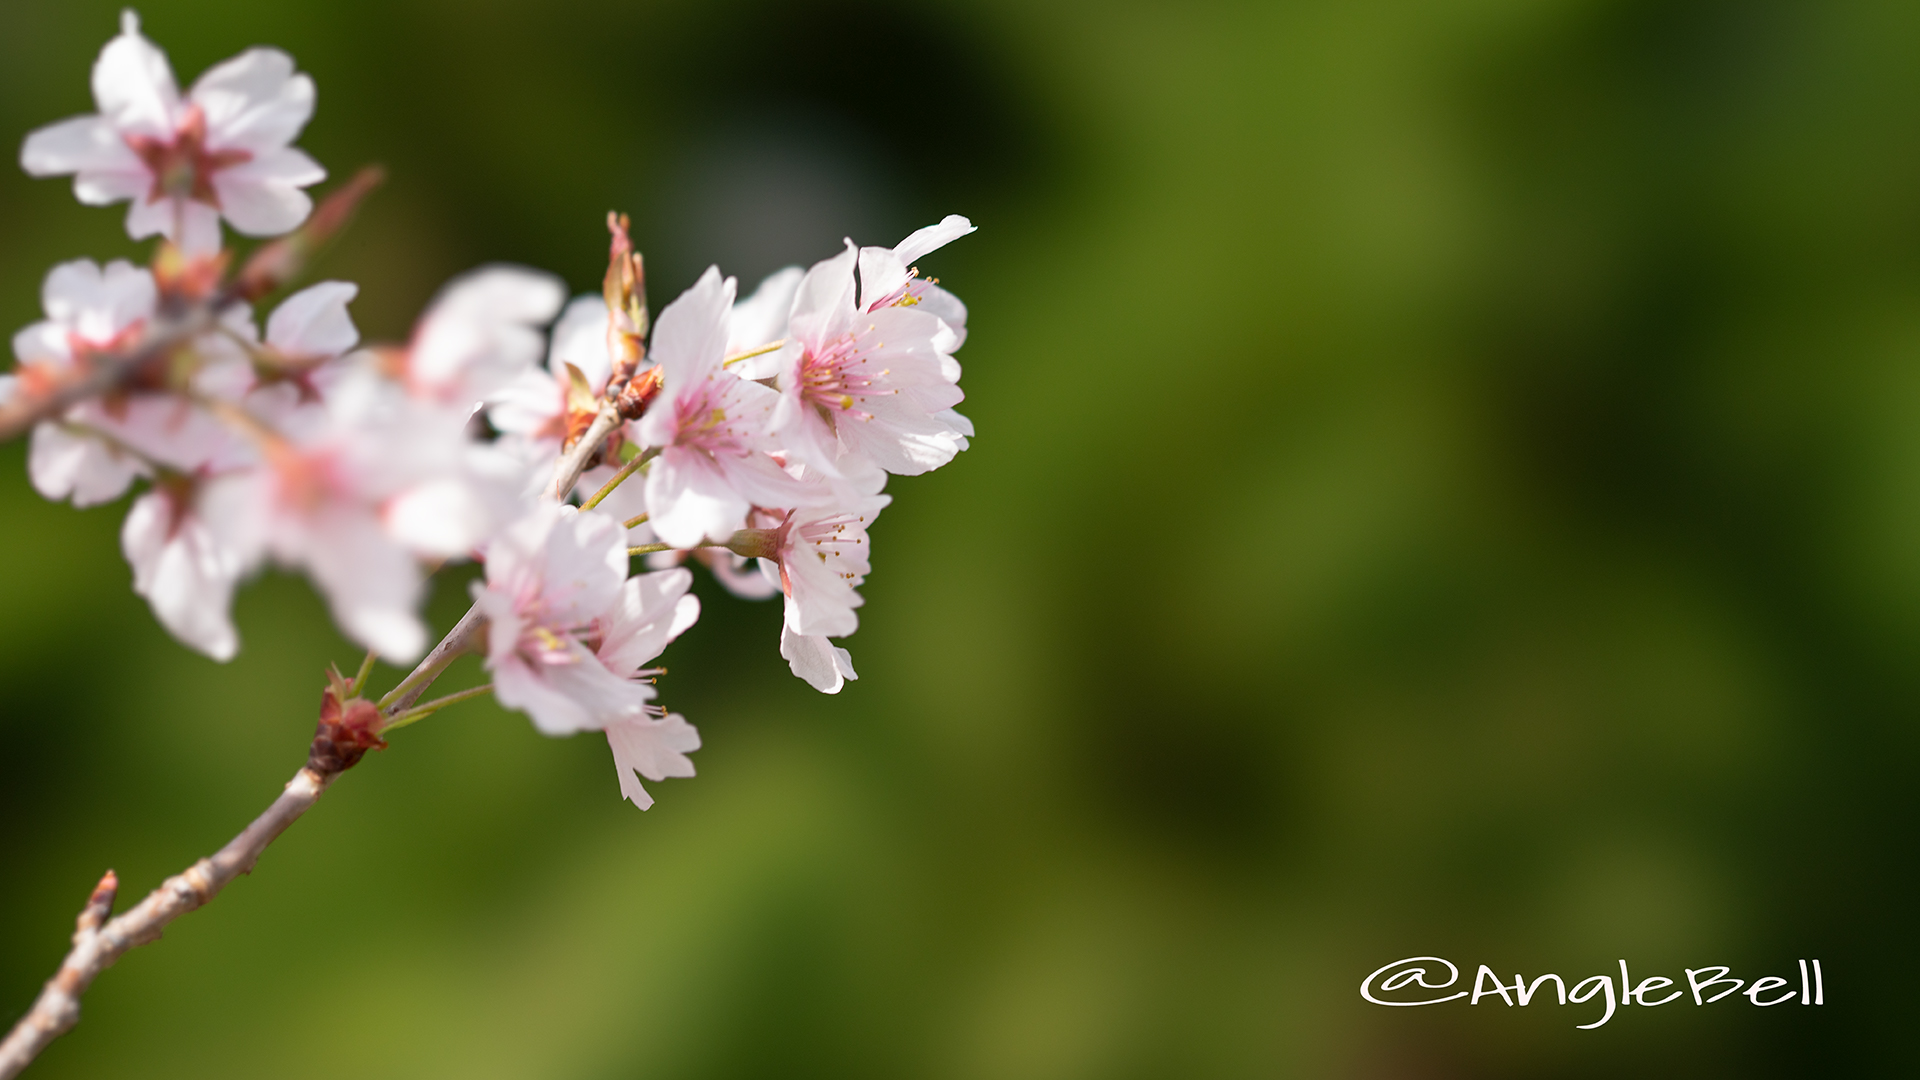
{"type": "Point", "coordinates": [1448, 483]}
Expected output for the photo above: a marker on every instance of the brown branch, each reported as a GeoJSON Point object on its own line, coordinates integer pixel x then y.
{"type": "Point", "coordinates": [567, 470]}
{"type": "Point", "coordinates": [338, 744]}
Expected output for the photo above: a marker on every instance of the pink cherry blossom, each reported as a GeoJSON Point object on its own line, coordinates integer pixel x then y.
{"type": "Point", "coordinates": [551, 578]}
{"type": "Point", "coordinates": [711, 426]}
{"type": "Point", "coordinates": [820, 560]}
{"type": "Point", "coordinates": [874, 386]}
{"type": "Point", "coordinates": [823, 559]}
{"type": "Point", "coordinates": [222, 151]}
{"type": "Point", "coordinates": [653, 610]}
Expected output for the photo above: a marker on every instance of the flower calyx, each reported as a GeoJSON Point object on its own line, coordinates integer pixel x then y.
{"type": "Point", "coordinates": [349, 726]}
{"type": "Point", "coordinates": [755, 543]}
{"type": "Point", "coordinates": [184, 279]}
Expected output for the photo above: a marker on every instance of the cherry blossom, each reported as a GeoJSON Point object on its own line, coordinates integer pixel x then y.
{"type": "Point", "coordinates": [766, 430]}
{"type": "Point", "coordinates": [653, 610]}
{"type": "Point", "coordinates": [825, 666]}
{"type": "Point", "coordinates": [353, 489]}
{"type": "Point", "coordinates": [185, 163]}
{"type": "Point", "coordinates": [768, 425]}
{"type": "Point", "coordinates": [182, 569]}
{"type": "Point", "coordinates": [569, 637]}
{"type": "Point", "coordinates": [760, 320]}
{"type": "Point", "coordinates": [90, 310]}
{"type": "Point", "coordinates": [888, 278]}
{"type": "Point", "coordinates": [822, 558]}
{"type": "Point", "coordinates": [482, 332]}
{"type": "Point", "coordinates": [711, 426]}
{"type": "Point", "coordinates": [551, 577]}
{"type": "Point", "coordinates": [541, 410]}
{"type": "Point", "coordinates": [874, 386]}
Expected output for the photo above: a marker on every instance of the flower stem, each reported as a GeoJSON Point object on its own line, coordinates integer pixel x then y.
{"type": "Point", "coordinates": [648, 549]}
{"type": "Point", "coordinates": [421, 712]}
{"type": "Point", "coordinates": [637, 520]}
{"type": "Point", "coordinates": [467, 635]}
{"type": "Point", "coordinates": [633, 466]}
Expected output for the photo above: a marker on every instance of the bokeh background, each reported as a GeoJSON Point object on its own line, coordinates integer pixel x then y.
{"type": "Point", "coordinates": [1448, 483]}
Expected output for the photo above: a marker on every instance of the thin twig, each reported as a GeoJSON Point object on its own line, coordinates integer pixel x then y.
{"type": "Point", "coordinates": [464, 637]}
{"type": "Point", "coordinates": [97, 943]}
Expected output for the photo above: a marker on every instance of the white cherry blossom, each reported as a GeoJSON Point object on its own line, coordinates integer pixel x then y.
{"type": "Point", "coordinates": [90, 310]}
{"type": "Point", "coordinates": [186, 162]}
{"type": "Point", "coordinates": [183, 570]}
{"type": "Point", "coordinates": [551, 578]}
{"type": "Point", "coordinates": [353, 489]}
{"type": "Point", "coordinates": [540, 408]}
{"type": "Point", "coordinates": [825, 666]}
{"type": "Point", "coordinates": [481, 333]}
{"type": "Point", "coordinates": [653, 610]}
{"type": "Point", "coordinates": [822, 559]}
{"type": "Point", "coordinates": [760, 320]}
{"type": "Point", "coordinates": [875, 386]}
{"type": "Point", "coordinates": [711, 426]}
{"type": "Point", "coordinates": [889, 279]}
{"type": "Point", "coordinates": [569, 637]}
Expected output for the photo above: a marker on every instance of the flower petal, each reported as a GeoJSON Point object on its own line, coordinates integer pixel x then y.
{"type": "Point", "coordinates": [63, 464]}
{"type": "Point", "coordinates": [81, 144]}
{"type": "Point", "coordinates": [314, 323]}
{"type": "Point", "coordinates": [655, 749]}
{"type": "Point", "coordinates": [690, 337]}
{"type": "Point", "coordinates": [825, 666]}
{"type": "Point", "coordinates": [133, 84]}
{"type": "Point", "coordinates": [184, 572]}
{"type": "Point", "coordinates": [254, 101]}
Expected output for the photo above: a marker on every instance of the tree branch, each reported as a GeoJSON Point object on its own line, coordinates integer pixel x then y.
{"type": "Point", "coordinates": [566, 472]}
{"type": "Point", "coordinates": [342, 738]}
{"type": "Point", "coordinates": [97, 943]}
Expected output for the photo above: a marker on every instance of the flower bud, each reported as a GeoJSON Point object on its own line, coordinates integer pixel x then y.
{"type": "Point", "coordinates": [349, 727]}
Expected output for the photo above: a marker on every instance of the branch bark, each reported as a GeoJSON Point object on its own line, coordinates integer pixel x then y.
{"type": "Point", "coordinates": [98, 942]}
{"type": "Point", "coordinates": [567, 470]}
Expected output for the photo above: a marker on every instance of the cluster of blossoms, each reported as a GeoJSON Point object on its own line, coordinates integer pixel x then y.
{"type": "Point", "coordinates": [752, 435]}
